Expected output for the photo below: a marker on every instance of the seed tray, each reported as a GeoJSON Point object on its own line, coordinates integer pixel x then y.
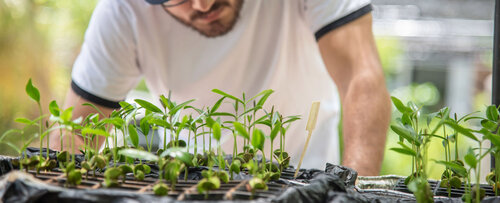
{"type": "Point", "coordinates": [184, 190]}
{"type": "Point", "coordinates": [401, 187]}
{"type": "Point", "coordinates": [395, 185]}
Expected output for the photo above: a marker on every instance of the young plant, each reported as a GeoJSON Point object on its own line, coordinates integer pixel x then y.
{"type": "Point", "coordinates": [258, 143]}
{"type": "Point", "coordinates": [264, 95]}
{"type": "Point", "coordinates": [490, 126]}
{"type": "Point", "coordinates": [173, 161]}
{"type": "Point", "coordinates": [280, 154]}
{"type": "Point", "coordinates": [259, 179]}
{"type": "Point", "coordinates": [34, 94]}
{"type": "Point", "coordinates": [275, 127]}
{"type": "Point", "coordinates": [23, 162]}
{"type": "Point", "coordinates": [409, 130]}
{"type": "Point", "coordinates": [139, 170]}
{"type": "Point", "coordinates": [209, 182]}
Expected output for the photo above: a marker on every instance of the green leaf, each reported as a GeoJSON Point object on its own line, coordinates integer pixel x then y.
{"type": "Point", "coordinates": [406, 119]}
{"type": "Point", "coordinates": [404, 151]}
{"type": "Point", "coordinates": [179, 153]}
{"type": "Point", "coordinates": [207, 184]}
{"type": "Point", "coordinates": [125, 105]}
{"type": "Point", "coordinates": [470, 159]}
{"type": "Point", "coordinates": [400, 106]}
{"type": "Point", "coordinates": [265, 94]}
{"type": "Point", "coordinates": [54, 108]}
{"type": "Point", "coordinates": [164, 102]}
{"type": "Point", "coordinates": [275, 131]}
{"type": "Point", "coordinates": [67, 115]}
{"type": "Point", "coordinates": [179, 107]}
{"type": "Point", "coordinates": [235, 166]}
{"type": "Point", "coordinates": [93, 106]}
{"type": "Point", "coordinates": [93, 131]}
{"type": "Point", "coordinates": [494, 139]}
{"type": "Point", "coordinates": [24, 121]}
{"type": "Point", "coordinates": [222, 114]}
{"type": "Point", "coordinates": [134, 137]}
{"type": "Point", "coordinates": [227, 95]}
{"type": "Point", "coordinates": [117, 122]}
{"type": "Point", "coordinates": [250, 110]}
{"type": "Point", "coordinates": [138, 154]}
{"type": "Point", "coordinates": [217, 104]}
{"type": "Point", "coordinates": [241, 130]}
{"type": "Point", "coordinates": [159, 122]}
{"type": "Point", "coordinates": [492, 113]}
{"type": "Point", "coordinates": [406, 134]}
{"type": "Point", "coordinates": [462, 130]}
{"type": "Point", "coordinates": [257, 183]}
{"type": "Point", "coordinates": [488, 124]}
{"type": "Point", "coordinates": [144, 124]}
{"type": "Point", "coordinates": [291, 119]}
{"type": "Point", "coordinates": [32, 91]}
{"type": "Point", "coordinates": [216, 129]}
{"type": "Point", "coordinates": [258, 139]}
{"type": "Point", "coordinates": [265, 122]}
{"type": "Point", "coordinates": [148, 106]}
{"type": "Point", "coordinates": [209, 121]}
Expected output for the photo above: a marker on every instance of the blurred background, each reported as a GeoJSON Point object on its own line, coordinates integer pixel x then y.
{"type": "Point", "coordinates": [434, 52]}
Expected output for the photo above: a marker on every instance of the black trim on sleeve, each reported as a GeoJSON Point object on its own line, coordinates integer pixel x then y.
{"type": "Point", "coordinates": [92, 98]}
{"type": "Point", "coordinates": [342, 21]}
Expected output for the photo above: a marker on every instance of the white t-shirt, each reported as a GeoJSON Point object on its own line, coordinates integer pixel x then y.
{"type": "Point", "coordinates": [271, 46]}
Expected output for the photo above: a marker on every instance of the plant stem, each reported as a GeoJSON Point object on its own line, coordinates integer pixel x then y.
{"type": "Point", "coordinates": [189, 140]}
{"type": "Point", "coordinates": [96, 145]}
{"type": "Point", "coordinates": [171, 130]}
{"type": "Point", "coordinates": [203, 140]}
{"type": "Point", "coordinates": [497, 170]}
{"type": "Point", "coordinates": [235, 147]}
{"type": "Point", "coordinates": [281, 145]}
{"type": "Point", "coordinates": [40, 132]}
{"type": "Point", "coordinates": [73, 145]}
{"type": "Point", "coordinates": [164, 138]}
{"type": "Point", "coordinates": [271, 158]}
{"type": "Point", "coordinates": [61, 138]}
{"type": "Point", "coordinates": [150, 143]}
{"type": "Point", "coordinates": [263, 160]}
{"type": "Point", "coordinates": [125, 129]}
{"type": "Point", "coordinates": [48, 144]}
{"type": "Point", "coordinates": [478, 173]}
{"type": "Point", "coordinates": [456, 146]}
{"type": "Point", "coordinates": [195, 143]}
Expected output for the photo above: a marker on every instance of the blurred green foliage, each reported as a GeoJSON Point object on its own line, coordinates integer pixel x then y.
{"type": "Point", "coordinates": [39, 39]}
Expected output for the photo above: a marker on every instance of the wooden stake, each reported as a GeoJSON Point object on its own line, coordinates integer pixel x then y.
{"type": "Point", "coordinates": [311, 124]}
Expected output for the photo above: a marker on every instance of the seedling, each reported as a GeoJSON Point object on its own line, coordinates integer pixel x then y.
{"type": "Point", "coordinates": [115, 163]}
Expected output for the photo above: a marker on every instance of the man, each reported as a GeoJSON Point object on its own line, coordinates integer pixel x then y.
{"type": "Point", "coordinates": [295, 47]}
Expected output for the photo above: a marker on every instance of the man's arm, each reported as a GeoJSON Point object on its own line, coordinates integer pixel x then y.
{"type": "Point", "coordinates": [74, 100]}
{"type": "Point", "coordinates": [351, 57]}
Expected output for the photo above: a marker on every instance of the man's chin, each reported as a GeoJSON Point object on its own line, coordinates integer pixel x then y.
{"type": "Point", "coordinates": [216, 30]}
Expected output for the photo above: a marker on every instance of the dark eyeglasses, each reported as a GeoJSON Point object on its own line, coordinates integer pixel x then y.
{"type": "Point", "coordinates": [171, 3]}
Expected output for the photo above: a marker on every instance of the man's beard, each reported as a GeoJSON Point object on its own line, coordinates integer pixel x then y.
{"type": "Point", "coordinates": [216, 28]}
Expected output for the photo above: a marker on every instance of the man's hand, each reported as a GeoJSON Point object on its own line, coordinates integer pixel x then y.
{"type": "Point", "coordinates": [73, 100]}
{"type": "Point", "coordinates": [351, 57]}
